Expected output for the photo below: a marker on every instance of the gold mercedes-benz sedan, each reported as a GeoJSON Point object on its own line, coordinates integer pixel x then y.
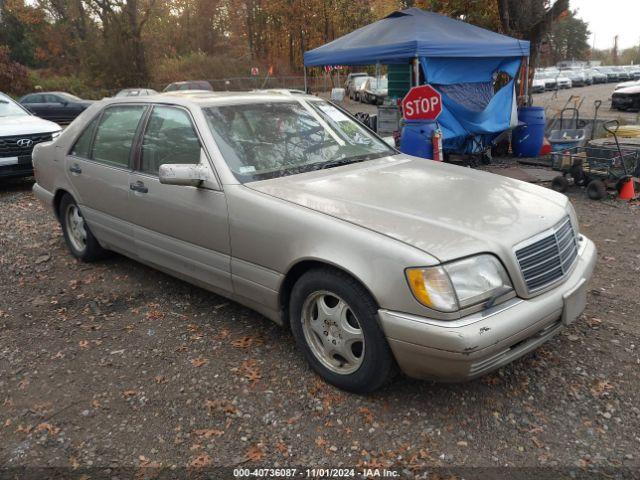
{"type": "Point", "coordinates": [285, 203]}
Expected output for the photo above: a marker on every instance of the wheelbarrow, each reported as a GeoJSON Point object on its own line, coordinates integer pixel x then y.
{"type": "Point", "coordinates": [566, 138]}
{"type": "Point", "coordinates": [597, 168]}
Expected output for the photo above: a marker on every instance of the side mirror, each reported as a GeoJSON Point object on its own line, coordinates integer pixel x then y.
{"type": "Point", "coordinates": [188, 174]}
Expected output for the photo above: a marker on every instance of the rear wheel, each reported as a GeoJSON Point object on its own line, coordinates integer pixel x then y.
{"type": "Point", "coordinates": [79, 239]}
{"type": "Point", "coordinates": [596, 190]}
{"type": "Point", "coordinates": [334, 322]}
{"type": "Point", "coordinates": [560, 184]}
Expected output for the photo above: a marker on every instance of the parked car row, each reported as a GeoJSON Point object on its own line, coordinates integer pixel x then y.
{"type": "Point", "coordinates": [546, 79]}
{"type": "Point", "coordinates": [366, 89]}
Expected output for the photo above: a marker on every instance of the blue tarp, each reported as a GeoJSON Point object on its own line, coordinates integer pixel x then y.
{"type": "Point", "coordinates": [472, 114]}
{"type": "Point", "coordinates": [460, 60]}
{"type": "Point", "coordinates": [414, 33]}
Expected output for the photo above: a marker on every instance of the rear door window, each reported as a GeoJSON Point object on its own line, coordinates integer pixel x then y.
{"type": "Point", "coordinates": [33, 99]}
{"type": "Point", "coordinates": [82, 147]}
{"type": "Point", "coordinates": [115, 134]}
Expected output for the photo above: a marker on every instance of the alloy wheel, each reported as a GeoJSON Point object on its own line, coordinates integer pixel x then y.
{"type": "Point", "coordinates": [333, 332]}
{"type": "Point", "coordinates": [76, 230]}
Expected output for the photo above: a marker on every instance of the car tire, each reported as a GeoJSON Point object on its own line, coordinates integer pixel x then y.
{"type": "Point", "coordinates": [77, 235]}
{"type": "Point", "coordinates": [578, 175]}
{"type": "Point", "coordinates": [560, 184]}
{"type": "Point", "coordinates": [596, 190]}
{"type": "Point", "coordinates": [334, 321]}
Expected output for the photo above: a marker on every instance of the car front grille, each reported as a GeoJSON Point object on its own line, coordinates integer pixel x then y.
{"type": "Point", "coordinates": [19, 145]}
{"type": "Point", "coordinates": [549, 259]}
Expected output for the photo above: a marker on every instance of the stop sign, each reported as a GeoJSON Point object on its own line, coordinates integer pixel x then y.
{"type": "Point", "coordinates": [422, 103]}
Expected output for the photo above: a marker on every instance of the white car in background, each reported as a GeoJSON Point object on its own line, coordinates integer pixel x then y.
{"type": "Point", "coordinates": [20, 131]}
{"type": "Point", "coordinates": [598, 77]}
{"type": "Point", "coordinates": [563, 81]}
{"type": "Point", "coordinates": [538, 85]}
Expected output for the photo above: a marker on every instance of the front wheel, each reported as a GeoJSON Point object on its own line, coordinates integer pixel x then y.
{"type": "Point", "coordinates": [79, 239]}
{"type": "Point", "coordinates": [334, 322]}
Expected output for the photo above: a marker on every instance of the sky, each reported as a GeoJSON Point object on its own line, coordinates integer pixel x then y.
{"type": "Point", "coordinates": [607, 18]}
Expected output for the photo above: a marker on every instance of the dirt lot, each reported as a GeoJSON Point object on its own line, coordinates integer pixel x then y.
{"type": "Point", "coordinates": [113, 364]}
{"type": "Point", "coordinates": [554, 101]}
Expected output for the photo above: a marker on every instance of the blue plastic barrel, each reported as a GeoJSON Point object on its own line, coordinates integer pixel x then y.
{"type": "Point", "coordinates": [416, 138]}
{"type": "Point", "coordinates": [528, 136]}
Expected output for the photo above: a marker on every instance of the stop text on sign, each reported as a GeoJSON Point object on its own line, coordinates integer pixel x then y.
{"type": "Point", "coordinates": [422, 103]}
{"type": "Point", "coordinates": [422, 106]}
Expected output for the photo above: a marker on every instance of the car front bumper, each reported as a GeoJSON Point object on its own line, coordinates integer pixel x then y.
{"type": "Point", "coordinates": [626, 102]}
{"type": "Point", "coordinates": [16, 166]}
{"type": "Point", "coordinates": [472, 346]}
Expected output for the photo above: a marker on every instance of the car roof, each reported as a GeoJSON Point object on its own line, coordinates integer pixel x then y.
{"type": "Point", "coordinates": [182, 82]}
{"type": "Point", "coordinates": [204, 98]}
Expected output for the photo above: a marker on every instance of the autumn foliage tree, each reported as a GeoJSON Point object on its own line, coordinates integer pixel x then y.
{"type": "Point", "coordinates": [110, 44]}
{"type": "Point", "coordinates": [14, 77]}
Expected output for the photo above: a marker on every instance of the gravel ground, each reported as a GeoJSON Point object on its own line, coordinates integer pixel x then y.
{"type": "Point", "coordinates": [554, 101]}
{"type": "Point", "coordinates": [113, 364]}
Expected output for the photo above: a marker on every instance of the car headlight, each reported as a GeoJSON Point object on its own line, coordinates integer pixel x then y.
{"type": "Point", "coordinates": [55, 135]}
{"type": "Point", "coordinates": [459, 284]}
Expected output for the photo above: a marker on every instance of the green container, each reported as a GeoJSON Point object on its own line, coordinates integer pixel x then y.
{"type": "Point", "coordinates": [399, 78]}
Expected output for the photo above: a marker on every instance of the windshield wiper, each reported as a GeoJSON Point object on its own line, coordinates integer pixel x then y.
{"type": "Point", "coordinates": [348, 160]}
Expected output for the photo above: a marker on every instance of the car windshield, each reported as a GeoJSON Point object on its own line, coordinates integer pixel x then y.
{"type": "Point", "coordinates": [9, 108]}
{"type": "Point", "coordinates": [378, 84]}
{"type": "Point", "coordinates": [359, 81]}
{"type": "Point", "coordinates": [278, 138]}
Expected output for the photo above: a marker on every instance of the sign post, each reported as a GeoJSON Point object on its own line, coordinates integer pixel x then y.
{"type": "Point", "coordinates": [421, 136]}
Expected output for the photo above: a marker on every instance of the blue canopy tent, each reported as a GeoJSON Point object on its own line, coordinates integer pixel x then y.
{"type": "Point", "coordinates": [460, 60]}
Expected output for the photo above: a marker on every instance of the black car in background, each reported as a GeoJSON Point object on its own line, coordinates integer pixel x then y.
{"type": "Point", "coordinates": [59, 107]}
{"type": "Point", "coordinates": [189, 85]}
{"type": "Point", "coordinates": [626, 99]}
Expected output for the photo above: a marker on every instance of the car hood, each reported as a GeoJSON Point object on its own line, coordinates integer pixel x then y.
{"type": "Point", "coordinates": [633, 83]}
{"type": "Point", "coordinates": [442, 209]}
{"type": "Point", "coordinates": [628, 90]}
{"type": "Point", "coordinates": [25, 125]}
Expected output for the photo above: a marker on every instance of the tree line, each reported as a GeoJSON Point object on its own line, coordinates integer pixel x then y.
{"type": "Point", "coordinates": [109, 44]}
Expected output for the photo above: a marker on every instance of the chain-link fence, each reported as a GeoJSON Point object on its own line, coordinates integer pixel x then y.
{"type": "Point", "coordinates": [315, 84]}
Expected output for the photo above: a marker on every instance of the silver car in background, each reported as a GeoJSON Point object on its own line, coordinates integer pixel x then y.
{"type": "Point", "coordinates": [374, 259]}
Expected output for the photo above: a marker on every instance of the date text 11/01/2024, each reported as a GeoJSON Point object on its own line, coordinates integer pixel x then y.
{"type": "Point", "coordinates": [315, 473]}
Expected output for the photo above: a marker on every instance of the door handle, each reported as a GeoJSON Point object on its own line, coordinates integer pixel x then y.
{"type": "Point", "coordinates": [75, 169]}
{"type": "Point", "coordinates": [138, 187]}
